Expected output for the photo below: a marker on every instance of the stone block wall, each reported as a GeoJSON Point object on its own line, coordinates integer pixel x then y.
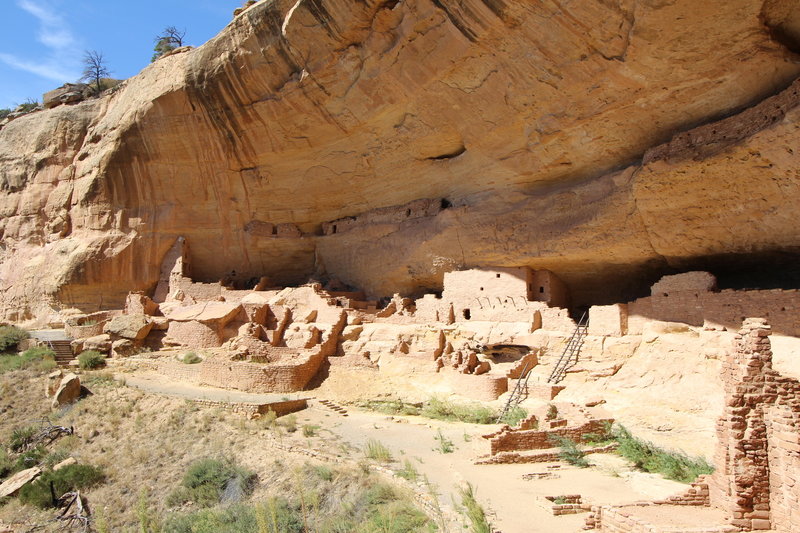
{"type": "Point", "coordinates": [725, 308]}
{"type": "Point", "coordinates": [87, 325]}
{"type": "Point", "coordinates": [195, 334]}
{"type": "Point", "coordinates": [484, 387]}
{"type": "Point", "coordinates": [254, 410]}
{"type": "Point", "coordinates": [758, 450]}
{"type": "Point", "coordinates": [608, 320]}
{"type": "Point", "coordinates": [510, 440]}
{"type": "Point", "coordinates": [290, 375]}
{"type": "Point", "coordinates": [395, 214]}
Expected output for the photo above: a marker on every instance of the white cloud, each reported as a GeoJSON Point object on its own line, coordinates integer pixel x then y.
{"type": "Point", "coordinates": [61, 62]}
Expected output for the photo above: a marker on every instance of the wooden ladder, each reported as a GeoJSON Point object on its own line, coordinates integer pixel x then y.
{"type": "Point", "coordinates": [519, 393]}
{"type": "Point", "coordinates": [571, 351]}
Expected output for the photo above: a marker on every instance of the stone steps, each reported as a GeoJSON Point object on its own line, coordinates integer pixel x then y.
{"type": "Point", "coordinates": [333, 406]}
{"type": "Point", "coordinates": [63, 352]}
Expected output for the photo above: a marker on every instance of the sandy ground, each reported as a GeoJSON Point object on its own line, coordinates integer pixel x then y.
{"type": "Point", "coordinates": [511, 501]}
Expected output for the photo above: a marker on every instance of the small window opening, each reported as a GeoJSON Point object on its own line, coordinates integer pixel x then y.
{"type": "Point", "coordinates": [445, 204]}
{"type": "Point", "coordinates": [497, 275]}
{"type": "Point", "coordinates": [481, 288]}
{"type": "Point", "coordinates": [334, 229]}
{"type": "Point", "coordinates": [408, 212]}
{"type": "Point", "coordinates": [541, 290]}
{"type": "Point", "coordinates": [467, 314]}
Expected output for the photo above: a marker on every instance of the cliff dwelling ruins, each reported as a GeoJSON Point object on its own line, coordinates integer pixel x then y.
{"type": "Point", "coordinates": [533, 259]}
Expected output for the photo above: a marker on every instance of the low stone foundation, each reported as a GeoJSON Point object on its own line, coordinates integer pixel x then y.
{"type": "Point", "coordinates": [255, 410]}
{"type": "Point", "coordinates": [284, 376]}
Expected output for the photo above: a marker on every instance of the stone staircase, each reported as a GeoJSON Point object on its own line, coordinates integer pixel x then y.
{"type": "Point", "coordinates": [333, 406]}
{"type": "Point", "coordinates": [63, 351]}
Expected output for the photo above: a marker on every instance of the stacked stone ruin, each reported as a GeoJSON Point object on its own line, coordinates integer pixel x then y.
{"type": "Point", "coordinates": [758, 454]}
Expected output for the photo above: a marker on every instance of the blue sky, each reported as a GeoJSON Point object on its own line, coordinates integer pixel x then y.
{"type": "Point", "coordinates": [43, 41]}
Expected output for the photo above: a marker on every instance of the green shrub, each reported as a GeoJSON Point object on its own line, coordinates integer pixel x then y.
{"type": "Point", "coordinates": [39, 359]}
{"type": "Point", "coordinates": [91, 359]}
{"type": "Point", "coordinates": [207, 481]}
{"type": "Point", "coordinates": [323, 472]}
{"type": "Point", "coordinates": [650, 458]}
{"type": "Point", "coordinates": [20, 437]}
{"type": "Point", "coordinates": [10, 337]}
{"type": "Point", "coordinates": [474, 511]}
{"type": "Point", "coordinates": [601, 438]}
{"type": "Point", "coordinates": [445, 444]}
{"type": "Point", "coordinates": [69, 478]}
{"type": "Point", "coordinates": [276, 515]}
{"type": "Point", "coordinates": [4, 112]}
{"type": "Point", "coordinates": [552, 412]}
{"type": "Point", "coordinates": [28, 105]}
{"type": "Point", "coordinates": [391, 407]}
{"type": "Point", "coordinates": [393, 517]}
{"type": "Point", "coordinates": [408, 472]}
{"type": "Point", "coordinates": [310, 430]}
{"type": "Point", "coordinates": [377, 451]}
{"type": "Point", "coordinates": [232, 519]}
{"type": "Point", "coordinates": [570, 451]}
{"type": "Point", "coordinates": [6, 463]}
{"type": "Point", "coordinates": [29, 459]}
{"type": "Point", "coordinates": [191, 358]}
{"type": "Point", "coordinates": [471, 413]}
{"type": "Point", "coordinates": [514, 416]}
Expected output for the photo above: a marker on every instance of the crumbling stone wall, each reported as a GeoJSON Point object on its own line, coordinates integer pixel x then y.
{"type": "Point", "coordinates": [426, 207]}
{"type": "Point", "coordinates": [289, 375]}
{"type": "Point", "coordinates": [692, 298]}
{"type": "Point", "coordinates": [511, 440]}
{"type": "Point", "coordinates": [758, 450]}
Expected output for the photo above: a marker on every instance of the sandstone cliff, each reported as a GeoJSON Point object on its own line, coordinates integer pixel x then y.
{"type": "Point", "coordinates": [529, 123]}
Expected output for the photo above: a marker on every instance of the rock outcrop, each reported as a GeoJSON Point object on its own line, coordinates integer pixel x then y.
{"type": "Point", "coordinates": [451, 134]}
{"type": "Point", "coordinates": [68, 391]}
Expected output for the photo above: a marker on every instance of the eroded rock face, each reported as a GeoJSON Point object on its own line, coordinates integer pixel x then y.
{"type": "Point", "coordinates": [524, 122]}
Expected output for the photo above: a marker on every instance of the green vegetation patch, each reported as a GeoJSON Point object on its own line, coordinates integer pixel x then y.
{"type": "Point", "coordinates": [39, 359]}
{"type": "Point", "coordinates": [69, 478]}
{"type": "Point", "coordinates": [10, 337]}
{"type": "Point", "coordinates": [646, 456]}
{"type": "Point", "coordinates": [439, 409]}
{"type": "Point", "coordinates": [478, 523]}
{"type": "Point", "coordinates": [209, 481]}
{"type": "Point", "coordinates": [91, 359]}
{"type": "Point", "coordinates": [321, 499]}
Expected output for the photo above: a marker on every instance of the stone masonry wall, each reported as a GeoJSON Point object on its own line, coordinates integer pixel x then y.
{"type": "Point", "coordinates": [725, 308]}
{"type": "Point", "coordinates": [758, 450]}
{"type": "Point", "coordinates": [284, 376]}
{"type": "Point", "coordinates": [517, 440]}
{"type": "Point", "coordinates": [484, 387]}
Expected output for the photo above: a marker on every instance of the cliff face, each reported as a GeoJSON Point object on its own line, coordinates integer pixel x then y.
{"type": "Point", "coordinates": [527, 122]}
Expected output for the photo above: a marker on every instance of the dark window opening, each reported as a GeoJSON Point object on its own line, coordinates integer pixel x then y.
{"type": "Point", "coordinates": [497, 275]}
{"type": "Point", "coordinates": [408, 212]}
{"type": "Point", "coordinates": [467, 314]}
{"type": "Point", "coordinates": [445, 204]}
{"type": "Point", "coordinates": [334, 229]}
{"type": "Point", "coordinates": [541, 290]}
{"type": "Point", "coordinates": [481, 288]}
